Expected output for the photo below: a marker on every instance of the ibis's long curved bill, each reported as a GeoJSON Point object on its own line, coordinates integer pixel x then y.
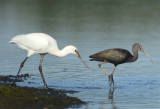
{"type": "Point", "coordinates": [77, 54]}
{"type": "Point", "coordinates": [147, 55]}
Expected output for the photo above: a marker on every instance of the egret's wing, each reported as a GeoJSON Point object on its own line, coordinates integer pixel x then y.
{"type": "Point", "coordinates": [34, 42]}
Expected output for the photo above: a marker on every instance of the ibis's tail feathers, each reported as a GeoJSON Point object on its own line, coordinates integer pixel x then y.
{"type": "Point", "coordinates": [93, 58]}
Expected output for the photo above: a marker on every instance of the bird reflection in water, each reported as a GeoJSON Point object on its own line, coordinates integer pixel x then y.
{"type": "Point", "coordinates": [110, 97]}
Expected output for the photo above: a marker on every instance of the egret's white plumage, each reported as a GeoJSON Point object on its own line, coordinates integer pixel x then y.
{"type": "Point", "coordinates": [41, 43]}
{"type": "Point", "coordinates": [36, 43]}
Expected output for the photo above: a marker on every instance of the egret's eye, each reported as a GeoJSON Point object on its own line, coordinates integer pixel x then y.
{"type": "Point", "coordinates": [75, 50]}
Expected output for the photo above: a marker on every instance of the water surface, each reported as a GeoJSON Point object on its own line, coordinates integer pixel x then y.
{"type": "Point", "coordinates": [91, 26]}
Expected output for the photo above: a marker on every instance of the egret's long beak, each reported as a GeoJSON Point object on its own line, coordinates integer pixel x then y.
{"type": "Point", "coordinates": [147, 55]}
{"type": "Point", "coordinates": [77, 54]}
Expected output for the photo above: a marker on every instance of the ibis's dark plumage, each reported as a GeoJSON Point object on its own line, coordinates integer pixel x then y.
{"type": "Point", "coordinates": [117, 56]}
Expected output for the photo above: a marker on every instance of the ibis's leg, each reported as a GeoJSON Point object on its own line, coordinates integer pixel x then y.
{"type": "Point", "coordinates": [102, 68]}
{"type": "Point", "coordinates": [113, 83]}
{"type": "Point", "coordinates": [22, 64]}
{"type": "Point", "coordinates": [113, 70]}
{"type": "Point", "coordinates": [40, 70]}
{"type": "Point", "coordinates": [111, 77]}
{"type": "Point", "coordinates": [110, 80]}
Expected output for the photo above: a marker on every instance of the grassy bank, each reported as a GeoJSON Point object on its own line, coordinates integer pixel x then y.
{"type": "Point", "coordinates": [34, 98]}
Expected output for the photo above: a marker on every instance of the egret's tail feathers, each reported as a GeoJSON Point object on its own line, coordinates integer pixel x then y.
{"type": "Point", "coordinates": [11, 42]}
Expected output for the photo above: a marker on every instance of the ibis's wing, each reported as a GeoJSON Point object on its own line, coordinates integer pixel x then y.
{"type": "Point", "coordinates": [111, 55]}
{"type": "Point", "coordinates": [116, 55]}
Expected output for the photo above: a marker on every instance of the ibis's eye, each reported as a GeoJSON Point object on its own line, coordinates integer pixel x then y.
{"type": "Point", "coordinates": [140, 48]}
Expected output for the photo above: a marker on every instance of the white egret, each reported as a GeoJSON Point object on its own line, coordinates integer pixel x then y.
{"type": "Point", "coordinates": [41, 43]}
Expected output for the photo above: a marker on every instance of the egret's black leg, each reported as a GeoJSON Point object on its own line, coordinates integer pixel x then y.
{"type": "Point", "coordinates": [22, 64]}
{"type": "Point", "coordinates": [102, 68]}
{"type": "Point", "coordinates": [40, 70]}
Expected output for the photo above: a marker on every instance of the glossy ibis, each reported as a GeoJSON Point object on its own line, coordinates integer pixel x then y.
{"type": "Point", "coordinates": [40, 43]}
{"type": "Point", "coordinates": [117, 56]}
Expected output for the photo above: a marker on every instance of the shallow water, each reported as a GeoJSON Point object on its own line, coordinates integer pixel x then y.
{"type": "Point", "coordinates": [91, 26]}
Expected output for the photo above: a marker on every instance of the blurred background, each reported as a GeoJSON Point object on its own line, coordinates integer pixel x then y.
{"type": "Point", "coordinates": [92, 26]}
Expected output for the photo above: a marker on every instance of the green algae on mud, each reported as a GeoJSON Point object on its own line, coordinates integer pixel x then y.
{"type": "Point", "coordinates": [33, 98]}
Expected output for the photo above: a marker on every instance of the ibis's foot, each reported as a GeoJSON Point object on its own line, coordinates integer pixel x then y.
{"type": "Point", "coordinates": [111, 80]}
{"type": "Point", "coordinates": [110, 94]}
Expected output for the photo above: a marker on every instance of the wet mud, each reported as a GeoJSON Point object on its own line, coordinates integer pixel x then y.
{"type": "Point", "coordinates": [13, 97]}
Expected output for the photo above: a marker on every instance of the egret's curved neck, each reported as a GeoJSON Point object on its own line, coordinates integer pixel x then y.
{"type": "Point", "coordinates": [61, 53]}
{"type": "Point", "coordinates": [65, 51]}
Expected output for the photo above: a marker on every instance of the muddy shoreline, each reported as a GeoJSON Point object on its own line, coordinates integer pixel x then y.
{"type": "Point", "coordinates": [34, 98]}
